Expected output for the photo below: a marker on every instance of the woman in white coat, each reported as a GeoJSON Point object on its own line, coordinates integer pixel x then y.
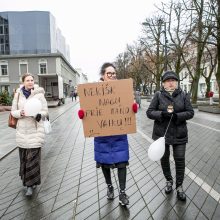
{"type": "Point", "coordinates": [29, 132]}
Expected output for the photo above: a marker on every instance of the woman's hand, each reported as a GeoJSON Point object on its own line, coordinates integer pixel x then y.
{"type": "Point", "coordinates": [22, 113]}
{"type": "Point", "coordinates": [81, 114]}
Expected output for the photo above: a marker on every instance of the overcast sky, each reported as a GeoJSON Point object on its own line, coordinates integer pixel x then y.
{"type": "Point", "coordinates": [96, 30]}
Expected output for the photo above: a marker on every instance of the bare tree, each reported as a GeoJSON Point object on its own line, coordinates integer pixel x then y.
{"type": "Point", "coordinates": [210, 58]}
{"type": "Point", "coordinates": [215, 12]}
{"type": "Point", "coordinates": [121, 64]}
{"type": "Point", "coordinates": [201, 31]}
{"type": "Point", "coordinates": [153, 47]}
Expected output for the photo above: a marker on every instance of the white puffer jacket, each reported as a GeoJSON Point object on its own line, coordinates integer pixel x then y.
{"type": "Point", "coordinates": [29, 132]}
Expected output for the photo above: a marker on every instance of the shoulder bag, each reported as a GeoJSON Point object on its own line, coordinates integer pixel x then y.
{"type": "Point", "coordinates": [12, 121]}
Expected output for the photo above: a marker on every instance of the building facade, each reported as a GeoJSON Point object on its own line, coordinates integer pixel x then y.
{"type": "Point", "coordinates": [31, 42]}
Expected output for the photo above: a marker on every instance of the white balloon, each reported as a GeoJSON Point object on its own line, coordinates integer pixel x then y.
{"type": "Point", "coordinates": [157, 149]}
{"type": "Point", "coordinates": [32, 107]}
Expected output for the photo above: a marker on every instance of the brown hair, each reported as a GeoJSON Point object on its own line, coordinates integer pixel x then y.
{"type": "Point", "coordinates": [26, 75]}
{"type": "Point", "coordinates": [104, 66]}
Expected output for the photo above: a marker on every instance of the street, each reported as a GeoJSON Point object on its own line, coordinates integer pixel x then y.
{"type": "Point", "coordinates": [73, 188]}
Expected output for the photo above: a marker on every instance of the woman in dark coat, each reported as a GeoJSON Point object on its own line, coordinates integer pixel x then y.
{"type": "Point", "coordinates": [171, 103]}
{"type": "Point", "coordinates": [112, 151]}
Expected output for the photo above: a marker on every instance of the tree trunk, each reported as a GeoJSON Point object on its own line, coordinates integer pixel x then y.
{"type": "Point", "coordinates": [218, 52]}
{"type": "Point", "coordinates": [208, 85]}
{"type": "Point", "coordinates": [194, 89]}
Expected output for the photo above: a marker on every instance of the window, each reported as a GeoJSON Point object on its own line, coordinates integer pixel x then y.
{"type": "Point", "coordinates": [43, 68]}
{"type": "Point", "coordinates": [6, 29]}
{"type": "Point", "coordinates": [23, 69]}
{"type": "Point", "coordinates": [1, 30]}
{"type": "Point", "coordinates": [4, 70]}
{"type": "Point", "coordinates": [4, 88]}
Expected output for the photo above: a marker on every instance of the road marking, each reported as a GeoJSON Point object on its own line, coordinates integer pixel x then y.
{"type": "Point", "coordinates": [204, 126]}
{"type": "Point", "coordinates": [200, 182]}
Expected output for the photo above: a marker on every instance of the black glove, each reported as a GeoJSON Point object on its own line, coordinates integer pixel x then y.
{"type": "Point", "coordinates": [166, 114]}
{"type": "Point", "coordinates": [38, 117]}
{"type": "Point", "coordinates": [174, 116]}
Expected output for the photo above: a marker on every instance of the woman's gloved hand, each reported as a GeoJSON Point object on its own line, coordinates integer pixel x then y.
{"type": "Point", "coordinates": [38, 117]}
{"type": "Point", "coordinates": [81, 114]}
{"type": "Point", "coordinates": [166, 114]}
{"type": "Point", "coordinates": [135, 107]}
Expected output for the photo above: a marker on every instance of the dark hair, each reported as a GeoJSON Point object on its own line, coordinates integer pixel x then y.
{"type": "Point", "coordinates": [26, 75]}
{"type": "Point", "coordinates": [104, 66]}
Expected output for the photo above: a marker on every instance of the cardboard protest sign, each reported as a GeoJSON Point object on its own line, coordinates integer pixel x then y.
{"type": "Point", "coordinates": [108, 108]}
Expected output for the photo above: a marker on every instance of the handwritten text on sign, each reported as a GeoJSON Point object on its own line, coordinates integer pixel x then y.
{"type": "Point", "coordinates": [108, 108]}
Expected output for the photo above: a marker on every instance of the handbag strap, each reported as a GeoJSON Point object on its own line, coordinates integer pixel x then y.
{"type": "Point", "coordinates": [168, 125]}
{"type": "Point", "coordinates": [18, 99]}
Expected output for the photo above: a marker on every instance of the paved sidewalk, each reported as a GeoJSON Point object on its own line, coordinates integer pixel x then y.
{"type": "Point", "coordinates": [72, 187]}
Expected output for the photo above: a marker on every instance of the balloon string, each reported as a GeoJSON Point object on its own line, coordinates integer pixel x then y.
{"type": "Point", "coordinates": [168, 125]}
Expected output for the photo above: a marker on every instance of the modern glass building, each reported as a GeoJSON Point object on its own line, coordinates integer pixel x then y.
{"type": "Point", "coordinates": [30, 32]}
{"type": "Point", "coordinates": [31, 42]}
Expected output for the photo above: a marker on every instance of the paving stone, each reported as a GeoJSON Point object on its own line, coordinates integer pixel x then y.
{"type": "Point", "coordinates": [201, 216]}
{"type": "Point", "coordinates": [156, 202]}
{"type": "Point", "coordinates": [41, 210]}
{"type": "Point", "coordinates": [180, 207]}
{"type": "Point", "coordinates": [191, 212]}
{"type": "Point", "coordinates": [114, 214]}
{"type": "Point", "coordinates": [162, 211]}
{"type": "Point", "coordinates": [106, 206]}
{"type": "Point", "coordinates": [216, 215]}
{"type": "Point", "coordinates": [209, 207]}
{"type": "Point", "coordinates": [71, 182]}
{"type": "Point", "coordinates": [200, 198]}
{"type": "Point", "coordinates": [171, 215]}
{"type": "Point", "coordinates": [192, 190]}
{"type": "Point", "coordinates": [60, 212]}
{"type": "Point", "coordinates": [84, 205]}
{"type": "Point", "coordinates": [64, 198]}
{"type": "Point", "coordinates": [89, 211]}
{"type": "Point", "coordinates": [151, 194]}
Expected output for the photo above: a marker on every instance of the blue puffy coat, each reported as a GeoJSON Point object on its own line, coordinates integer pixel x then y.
{"type": "Point", "coordinates": [111, 149]}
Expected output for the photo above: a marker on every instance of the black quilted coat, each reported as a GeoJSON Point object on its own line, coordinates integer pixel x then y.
{"type": "Point", "coordinates": [177, 132]}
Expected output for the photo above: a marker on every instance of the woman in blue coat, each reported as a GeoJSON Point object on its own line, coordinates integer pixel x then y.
{"type": "Point", "coordinates": [112, 151]}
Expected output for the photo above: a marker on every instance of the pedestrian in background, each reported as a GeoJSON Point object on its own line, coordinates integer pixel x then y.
{"type": "Point", "coordinates": [112, 151]}
{"type": "Point", "coordinates": [75, 95]}
{"type": "Point", "coordinates": [137, 96]}
{"type": "Point", "coordinates": [172, 104]}
{"type": "Point", "coordinates": [72, 95]}
{"type": "Point", "coordinates": [29, 132]}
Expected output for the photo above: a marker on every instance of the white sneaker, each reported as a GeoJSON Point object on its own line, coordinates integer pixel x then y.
{"type": "Point", "coordinates": [29, 191]}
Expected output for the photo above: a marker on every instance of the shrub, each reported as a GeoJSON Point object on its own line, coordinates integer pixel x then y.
{"type": "Point", "coordinates": [5, 98]}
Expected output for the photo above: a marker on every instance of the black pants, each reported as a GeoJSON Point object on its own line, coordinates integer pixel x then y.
{"type": "Point", "coordinates": [122, 172]}
{"type": "Point", "coordinates": [179, 158]}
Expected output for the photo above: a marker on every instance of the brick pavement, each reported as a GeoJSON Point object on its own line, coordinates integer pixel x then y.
{"type": "Point", "coordinates": [72, 188]}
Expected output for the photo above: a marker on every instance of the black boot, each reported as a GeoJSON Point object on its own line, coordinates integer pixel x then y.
{"type": "Point", "coordinates": [180, 194]}
{"type": "Point", "coordinates": [168, 187]}
{"type": "Point", "coordinates": [110, 192]}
